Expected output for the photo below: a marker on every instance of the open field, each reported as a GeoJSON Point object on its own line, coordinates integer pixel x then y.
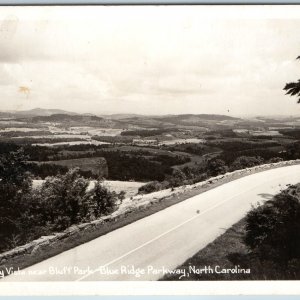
{"type": "Point", "coordinates": [96, 165]}
{"type": "Point", "coordinates": [182, 141]}
{"type": "Point", "coordinates": [71, 143]}
{"type": "Point", "coordinates": [129, 187]}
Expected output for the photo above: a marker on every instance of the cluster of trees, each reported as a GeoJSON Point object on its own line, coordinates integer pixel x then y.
{"type": "Point", "coordinates": [81, 119]}
{"type": "Point", "coordinates": [140, 168]}
{"type": "Point", "coordinates": [30, 140]}
{"type": "Point", "coordinates": [147, 133]}
{"type": "Point", "coordinates": [193, 148]}
{"type": "Point", "coordinates": [178, 177]}
{"type": "Point", "coordinates": [113, 139]}
{"type": "Point", "coordinates": [92, 170]}
{"type": "Point", "coordinates": [8, 147]}
{"type": "Point", "coordinates": [273, 237]}
{"type": "Point", "coordinates": [122, 165]}
{"type": "Point", "coordinates": [27, 213]}
{"type": "Point", "coordinates": [25, 133]}
{"type": "Point", "coordinates": [44, 170]}
{"type": "Point", "coordinates": [139, 165]}
{"type": "Point", "coordinates": [229, 133]}
{"type": "Point", "coordinates": [129, 166]}
{"type": "Point", "coordinates": [293, 151]}
{"type": "Point", "coordinates": [40, 153]}
{"type": "Point", "coordinates": [213, 167]}
{"type": "Point", "coordinates": [217, 166]}
{"type": "Point", "coordinates": [295, 133]}
{"type": "Point", "coordinates": [238, 146]}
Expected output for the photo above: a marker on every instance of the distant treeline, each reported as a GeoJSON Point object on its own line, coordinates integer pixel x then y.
{"type": "Point", "coordinates": [241, 145]}
{"type": "Point", "coordinates": [196, 149]}
{"type": "Point", "coordinates": [147, 133]}
{"type": "Point", "coordinates": [223, 133]}
{"type": "Point", "coordinates": [113, 139]}
{"type": "Point", "coordinates": [44, 170]}
{"type": "Point", "coordinates": [226, 161]}
{"type": "Point", "coordinates": [294, 133]}
{"type": "Point", "coordinates": [23, 141]}
{"type": "Point", "coordinates": [121, 167]}
{"type": "Point", "coordinates": [140, 165]}
{"type": "Point", "coordinates": [25, 133]}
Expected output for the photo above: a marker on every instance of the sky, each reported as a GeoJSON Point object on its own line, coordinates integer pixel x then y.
{"type": "Point", "coordinates": [232, 60]}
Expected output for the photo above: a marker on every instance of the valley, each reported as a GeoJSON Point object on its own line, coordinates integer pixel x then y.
{"type": "Point", "coordinates": [145, 148]}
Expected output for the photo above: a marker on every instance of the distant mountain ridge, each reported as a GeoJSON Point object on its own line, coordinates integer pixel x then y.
{"type": "Point", "coordinates": [196, 117]}
{"type": "Point", "coordinates": [66, 117]}
{"type": "Point", "coordinates": [41, 112]}
{"type": "Point", "coordinates": [121, 120]}
{"type": "Point", "coordinates": [121, 116]}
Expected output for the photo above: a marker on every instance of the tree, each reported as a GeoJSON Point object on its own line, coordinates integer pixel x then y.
{"type": "Point", "coordinates": [103, 201]}
{"type": "Point", "coordinates": [15, 184]}
{"type": "Point", "coordinates": [293, 150]}
{"type": "Point", "coordinates": [216, 166]}
{"type": "Point", "coordinates": [177, 178]}
{"type": "Point", "coordinates": [275, 160]}
{"type": "Point", "coordinates": [150, 187]}
{"type": "Point", "coordinates": [63, 199]}
{"type": "Point", "coordinates": [273, 229]}
{"type": "Point", "coordinates": [13, 167]}
{"type": "Point", "coordinates": [243, 162]}
{"type": "Point", "coordinates": [293, 88]}
{"type": "Point", "coordinates": [66, 199]}
{"type": "Point", "coordinates": [121, 196]}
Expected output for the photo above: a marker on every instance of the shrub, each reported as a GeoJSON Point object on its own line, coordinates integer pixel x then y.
{"type": "Point", "coordinates": [64, 199]}
{"type": "Point", "coordinates": [273, 229]}
{"type": "Point", "coordinates": [177, 178]}
{"type": "Point", "coordinates": [102, 201]}
{"type": "Point", "coordinates": [243, 162]}
{"type": "Point", "coordinates": [275, 160]}
{"type": "Point", "coordinates": [216, 167]}
{"type": "Point", "coordinates": [150, 187]}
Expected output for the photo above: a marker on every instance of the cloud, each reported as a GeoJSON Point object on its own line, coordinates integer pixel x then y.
{"type": "Point", "coordinates": [149, 59]}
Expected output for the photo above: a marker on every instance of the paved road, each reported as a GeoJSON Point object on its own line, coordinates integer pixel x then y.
{"type": "Point", "coordinates": [141, 250]}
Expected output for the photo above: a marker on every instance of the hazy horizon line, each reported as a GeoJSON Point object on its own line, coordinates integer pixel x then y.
{"type": "Point", "coordinates": [152, 115]}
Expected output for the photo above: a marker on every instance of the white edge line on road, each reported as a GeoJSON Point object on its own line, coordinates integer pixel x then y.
{"type": "Point", "coordinates": [165, 233]}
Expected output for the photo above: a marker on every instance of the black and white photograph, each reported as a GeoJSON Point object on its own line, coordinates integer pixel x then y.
{"type": "Point", "coordinates": [149, 143]}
